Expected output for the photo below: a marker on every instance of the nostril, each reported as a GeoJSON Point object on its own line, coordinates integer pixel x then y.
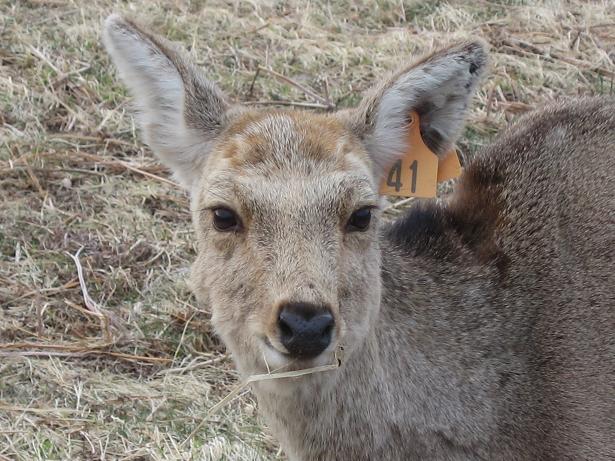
{"type": "Point", "coordinates": [285, 330]}
{"type": "Point", "coordinates": [329, 329]}
{"type": "Point", "coordinates": [322, 324]}
{"type": "Point", "coordinates": [305, 329]}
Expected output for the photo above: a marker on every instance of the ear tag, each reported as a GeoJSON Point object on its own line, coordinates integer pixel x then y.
{"type": "Point", "coordinates": [417, 173]}
{"type": "Point", "coordinates": [449, 166]}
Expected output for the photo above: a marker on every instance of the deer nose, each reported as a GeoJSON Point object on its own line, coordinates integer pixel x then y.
{"type": "Point", "coordinates": [305, 329]}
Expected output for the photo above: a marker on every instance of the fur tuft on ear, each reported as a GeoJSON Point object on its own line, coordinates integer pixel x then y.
{"type": "Point", "coordinates": [439, 87]}
{"type": "Point", "coordinates": [178, 110]}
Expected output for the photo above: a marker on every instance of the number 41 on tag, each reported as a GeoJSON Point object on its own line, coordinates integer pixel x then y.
{"type": "Point", "coordinates": [418, 172]}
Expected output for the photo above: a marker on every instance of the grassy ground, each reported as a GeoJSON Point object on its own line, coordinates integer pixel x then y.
{"type": "Point", "coordinates": [132, 381]}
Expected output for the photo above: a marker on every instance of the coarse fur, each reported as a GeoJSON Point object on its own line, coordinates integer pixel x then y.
{"type": "Point", "coordinates": [477, 327]}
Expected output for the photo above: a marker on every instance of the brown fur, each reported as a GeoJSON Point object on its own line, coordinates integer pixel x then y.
{"type": "Point", "coordinates": [479, 327]}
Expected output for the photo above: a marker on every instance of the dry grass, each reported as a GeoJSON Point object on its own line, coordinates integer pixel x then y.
{"type": "Point", "coordinates": [134, 379]}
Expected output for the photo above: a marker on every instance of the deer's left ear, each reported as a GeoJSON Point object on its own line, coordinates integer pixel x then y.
{"type": "Point", "coordinates": [438, 87]}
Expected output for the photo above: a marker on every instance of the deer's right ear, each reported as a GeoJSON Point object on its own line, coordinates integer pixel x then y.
{"type": "Point", "coordinates": [438, 88]}
{"type": "Point", "coordinates": [179, 111]}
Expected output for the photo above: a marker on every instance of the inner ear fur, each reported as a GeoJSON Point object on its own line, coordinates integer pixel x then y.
{"type": "Point", "coordinates": [438, 87]}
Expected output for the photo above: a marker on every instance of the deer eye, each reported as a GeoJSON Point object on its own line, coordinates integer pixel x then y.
{"type": "Point", "coordinates": [359, 220]}
{"type": "Point", "coordinates": [225, 220]}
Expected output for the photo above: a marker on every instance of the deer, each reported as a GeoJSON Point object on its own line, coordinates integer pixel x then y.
{"type": "Point", "coordinates": [480, 325]}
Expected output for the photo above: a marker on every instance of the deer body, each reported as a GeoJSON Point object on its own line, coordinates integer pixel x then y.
{"type": "Point", "coordinates": [478, 327]}
{"type": "Point", "coordinates": [481, 349]}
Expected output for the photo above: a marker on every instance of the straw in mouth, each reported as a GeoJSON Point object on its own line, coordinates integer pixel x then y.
{"type": "Point", "coordinates": [338, 355]}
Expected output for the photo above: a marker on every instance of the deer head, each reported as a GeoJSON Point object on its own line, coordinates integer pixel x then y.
{"type": "Point", "coordinates": [285, 203]}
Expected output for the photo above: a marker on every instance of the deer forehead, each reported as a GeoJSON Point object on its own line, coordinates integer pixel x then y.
{"type": "Point", "coordinates": [284, 140]}
{"type": "Point", "coordinates": [283, 158]}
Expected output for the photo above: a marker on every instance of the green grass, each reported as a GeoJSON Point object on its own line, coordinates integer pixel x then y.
{"type": "Point", "coordinates": [67, 391]}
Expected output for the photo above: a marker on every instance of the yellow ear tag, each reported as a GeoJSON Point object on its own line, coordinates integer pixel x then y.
{"type": "Point", "coordinates": [417, 173]}
{"type": "Point", "coordinates": [449, 166]}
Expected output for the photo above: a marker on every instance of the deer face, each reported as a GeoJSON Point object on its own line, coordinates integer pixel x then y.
{"type": "Point", "coordinates": [285, 204]}
{"type": "Point", "coordinates": [286, 215]}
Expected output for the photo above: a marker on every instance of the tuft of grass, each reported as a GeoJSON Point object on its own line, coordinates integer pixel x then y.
{"type": "Point", "coordinates": [73, 175]}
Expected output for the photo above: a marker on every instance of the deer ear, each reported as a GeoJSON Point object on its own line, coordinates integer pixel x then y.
{"type": "Point", "coordinates": [179, 111]}
{"type": "Point", "coordinates": [438, 87]}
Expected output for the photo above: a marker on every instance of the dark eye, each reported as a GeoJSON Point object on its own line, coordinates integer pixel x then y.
{"type": "Point", "coordinates": [225, 220]}
{"type": "Point", "coordinates": [359, 220]}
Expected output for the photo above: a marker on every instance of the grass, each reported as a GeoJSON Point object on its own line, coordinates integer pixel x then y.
{"type": "Point", "coordinates": [73, 175]}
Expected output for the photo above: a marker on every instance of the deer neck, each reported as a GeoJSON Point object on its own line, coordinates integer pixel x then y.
{"type": "Point", "coordinates": [417, 340]}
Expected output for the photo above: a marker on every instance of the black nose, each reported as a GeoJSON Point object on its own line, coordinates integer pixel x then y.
{"type": "Point", "coordinates": [305, 329]}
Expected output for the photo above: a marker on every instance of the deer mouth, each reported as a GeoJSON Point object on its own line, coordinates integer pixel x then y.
{"type": "Point", "coordinates": [278, 359]}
